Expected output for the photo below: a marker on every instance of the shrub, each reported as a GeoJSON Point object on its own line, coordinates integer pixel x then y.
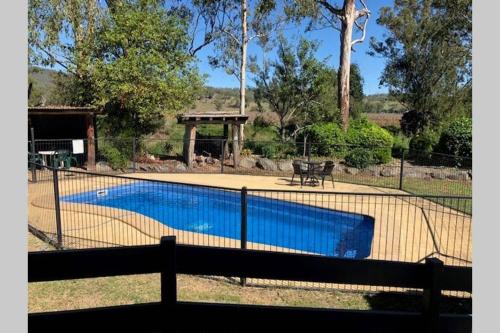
{"type": "Point", "coordinates": [327, 139]}
{"type": "Point", "coordinates": [269, 151]}
{"type": "Point", "coordinates": [422, 145]}
{"type": "Point", "coordinates": [246, 152]}
{"type": "Point", "coordinates": [456, 139]}
{"type": "Point", "coordinates": [363, 133]}
{"type": "Point", "coordinates": [160, 148]}
{"type": "Point", "coordinates": [401, 143]}
{"type": "Point", "coordinates": [115, 158]}
{"type": "Point", "coordinates": [261, 122]}
{"type": "Point", "coordinates": [360, 158]}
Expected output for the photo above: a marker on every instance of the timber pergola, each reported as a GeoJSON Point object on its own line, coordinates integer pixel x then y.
{"type": "Point", "coordinates": [191, 120]}
{"type": "Point", "coordinates": [63, 122]}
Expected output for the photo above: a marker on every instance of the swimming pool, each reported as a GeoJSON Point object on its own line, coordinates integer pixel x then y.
{"type": "Point", "coordinates": [217, 212]}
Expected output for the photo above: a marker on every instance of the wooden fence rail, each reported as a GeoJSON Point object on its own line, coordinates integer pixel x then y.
{"type": "Point", "coordinates": [171, 315]}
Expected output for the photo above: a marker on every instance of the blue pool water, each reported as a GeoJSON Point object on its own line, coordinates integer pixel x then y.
{"type": "Point", "coordinates": [217, 212]}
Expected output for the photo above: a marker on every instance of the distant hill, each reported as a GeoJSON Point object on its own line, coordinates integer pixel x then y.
{"type": "Point", "coordinates": [382, 103]}
{"type": "Point", "coordinates": [44, 91]}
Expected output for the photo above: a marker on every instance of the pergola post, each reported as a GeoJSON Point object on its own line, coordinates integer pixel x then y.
{"type": "Point", "coordinates": [89, 125]}
{"type": "Point", "coordinates": [226, 140]}
{"type": "Point", "coordinates": [189, 141]}
{"type": "Point", "coordinates": [236, 145]}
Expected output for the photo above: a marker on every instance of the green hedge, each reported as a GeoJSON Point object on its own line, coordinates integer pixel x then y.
{"type": "Point", "coordinates": [456, 139]}
{"type": "Point", "coordinates": [327, 139]}
{"type": "Point", "coordinates": [364, 143]}
{"type": "Point", "coordinates": [363, 133]}
{"type": "Point", "coordinates": [422, 145]}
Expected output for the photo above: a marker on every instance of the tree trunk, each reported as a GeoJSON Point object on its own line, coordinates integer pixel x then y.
{"type": "Point", "coordinates": [345, 60]}
{"type": "Point", "coordinates": [243, 65]}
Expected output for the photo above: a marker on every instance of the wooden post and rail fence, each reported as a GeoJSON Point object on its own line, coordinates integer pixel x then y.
{"type": "Point", "coordinates": [172, 315]}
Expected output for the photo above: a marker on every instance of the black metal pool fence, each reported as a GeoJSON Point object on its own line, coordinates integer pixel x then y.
{"type": "Point", "coordinates": [64, 207]}
{"type": "Point", "coordinates": [411, 171]}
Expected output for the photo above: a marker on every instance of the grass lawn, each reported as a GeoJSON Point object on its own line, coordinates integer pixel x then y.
{"type": "Point", "coordinates": [97, 292]}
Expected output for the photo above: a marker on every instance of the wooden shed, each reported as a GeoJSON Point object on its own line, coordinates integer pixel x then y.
{"type": "Point", "coordinates": [65, 122]}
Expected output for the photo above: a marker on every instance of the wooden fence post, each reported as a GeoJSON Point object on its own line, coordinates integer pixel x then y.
{"type": "Point", "coordinates": [432, 295]}
{"type": "Point", "coordinates": [168, 282]}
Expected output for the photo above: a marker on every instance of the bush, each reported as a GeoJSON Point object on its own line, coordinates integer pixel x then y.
{"type": "Point", "coordinates": [401, 144]}
{"type": "Point", "coordinates": [115, 158]}
{"type": "Point", "coordinates": [360, 158]}
{"type": "Point", "coordinates": [422, 145]}
{"type": "Point", "coordinates": [456, 139]}
{"type": "Point", "coordinates": [246, 152]}
{"type": "Point", "coordinates": [160, 148]}
{"type": "Point", "coordinates": [363, 133]}
{"type": "Point", "coordinates": [277, 150]}
{"type": "Point", "coordinates": [327, 139]}
{"type": "Point", "coordinates": [261, 122]}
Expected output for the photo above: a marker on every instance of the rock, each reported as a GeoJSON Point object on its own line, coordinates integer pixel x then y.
{"type": "Point", "coordinates": [389, 172]}
{"type": "Point", "coordinates": [180, 167]}
{"type": "Point", "coordinates": [143, 167]}
{"type": "Point", "coordinates": [210, 160]}
{"type": "Point", "coordinates": [103, 167]}
{"type": "Point", "coordinates": [266, 164]}
{"type": "Point", "coordinates": [163, 168]}
{"type": "Point", "coordinates": [351, 171]}
{"type": "Point", "coordinates": [285, 165]}
{"type": "Point", "coordinates": [372, 171]}
{"type": "Point", "coordinates": [200, 159]}
{"type": "Point", "coordinates": [248, 162]}
{"type": "Point", "coordinates": [438, 175]}
{"type": "Point", "coordinates": [459, 175]}
{"type": "Point", "coordinates": [150, 157]}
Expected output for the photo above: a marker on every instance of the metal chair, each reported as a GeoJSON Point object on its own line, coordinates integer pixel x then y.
{"type": "Point", "coordinates": [327, 171]}
{"type": "Point", "coordinates": [297, 170]}
{"type": "Point", "coordinates": [63, 159]}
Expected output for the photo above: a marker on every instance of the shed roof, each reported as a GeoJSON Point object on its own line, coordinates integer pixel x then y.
{"type": "Point", "coordinates": [63, 110]}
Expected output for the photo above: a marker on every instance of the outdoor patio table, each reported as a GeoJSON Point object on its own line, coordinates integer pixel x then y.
{"type": "Point", "coordinates": [47, 155]}
{"type": "Point", "coordinates": [312, 166]}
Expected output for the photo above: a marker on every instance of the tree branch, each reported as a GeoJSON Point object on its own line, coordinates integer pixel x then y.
{"type": "Point", "coordinates": [332, 9]}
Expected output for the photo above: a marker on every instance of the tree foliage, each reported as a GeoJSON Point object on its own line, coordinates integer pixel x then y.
{"type": "Point", "coordinates": [143, 69]}
{"type": "Point", "coordinates": [63, 33]}
{"type": "Point", "coordinates": [297, 87]}
{"type": "Point", "coordinates": [428, 51]}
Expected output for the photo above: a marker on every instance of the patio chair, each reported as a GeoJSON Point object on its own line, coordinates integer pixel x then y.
{"type": "Point", "coordinates": [35, 158]}
{"type": "Point", "coordinates": [327, 171]}
{"type": "Point", "coordinates": [297, 170]}
{"type": "Point", "coordinates": [64, 159]}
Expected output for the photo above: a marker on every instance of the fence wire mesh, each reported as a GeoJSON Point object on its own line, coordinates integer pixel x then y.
{"type": "Point", "coordinates": [99, 210]}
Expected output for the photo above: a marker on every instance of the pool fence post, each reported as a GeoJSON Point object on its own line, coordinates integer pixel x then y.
{"type": "Point", "coordinates": [223, 145]}
{"type": "Point", "coordinates": [432, 295]}
{"type": "Point", "coordinates": [33, 165]}
{"type": "Point", "coordinates": [133, 154]}
{"type": "Point", "coordinates": [401, 169]}
{"type": "Point", "coordinates": [309, 151]}
{"type": "Point", "coordinates": [244, 204]}
{"type": "Point", "coordinates": [57, 207]}
{"type": "Point", "coordinates": [168, 277]}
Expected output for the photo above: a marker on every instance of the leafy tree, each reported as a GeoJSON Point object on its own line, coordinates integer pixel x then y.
{"type": "Point", "coordinates": [428, 51]}
{"type": "Point", "coordinates": [244, 24]}
{"type": "Point", "coordinates": [63, 33]}
{"type": "Point", "coordinates": [347, 20]}
{"type": "Point", "coordinates": [294, 86]}
{"type": "Point", "coordinates": [144, 69]}
{"type": "Point", "coordinates": [356, 92]}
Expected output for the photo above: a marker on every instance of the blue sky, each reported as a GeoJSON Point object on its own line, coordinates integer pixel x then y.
{"type": "Point", "coordinates": [371, 67]}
